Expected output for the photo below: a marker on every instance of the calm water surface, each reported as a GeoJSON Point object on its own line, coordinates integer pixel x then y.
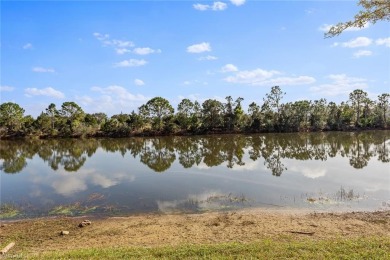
{"type": "Point", "coordinates": [317, 171]}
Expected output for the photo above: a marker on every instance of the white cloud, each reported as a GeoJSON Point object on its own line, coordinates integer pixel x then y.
{"type": "Point", "coordinates": [326, 27]}
{"type": "Point", "coordinates": [139, 82]}
{"type": "Point", "coordinates": [229, 68]}
{"type": "Point", "coordinates": [358, 42]}
{"type": "Point", "coordinates": [361, 53]}
{"type": "Point", "coordinates": [6, 89]}
{"type": "Point", "coordinates": [145, 51]}
{"type": "Point", "coordinates": [237, 2]}
{"type": "Point", "coordinates": [199, 48]}
{"type": "Point", "coordinates": [43, 70]}
{"type": "Point", "coordinates": [284, 81]}
{"type": "Point", "coordinates": [340, 84]}
{"type": "Point", "coordinates": [27, 46]}
{"type": "Point", "coordinates": [260, 77]}
{"type": "Point", "coordinates": [121, 47]}
{"type": "Point", "coordinates": [208, 57]}
{"type": "Point", "coordinates": [131, 63]}
{"type": "Point", "coordinates": [252, 77]}
{"type": "Point", "coordinates": [383, 41]}
{"type": "Point", "coordinates": [49, 92]}
{"type": "Point", "coordinates": [201, 7]}
{"type": "Point", "coordinates": [112, 100]}
{"type": "Point", "coordinates": [121, 51]}
{"type": "Point", "coordinates": [217, 6]}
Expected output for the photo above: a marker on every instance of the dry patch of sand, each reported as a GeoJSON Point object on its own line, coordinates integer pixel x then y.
{"type": "Point", "coordinates": [152, 230]}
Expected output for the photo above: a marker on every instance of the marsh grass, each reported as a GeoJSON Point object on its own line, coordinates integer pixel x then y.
{"type": "Point", "coordinates": [351, 248]}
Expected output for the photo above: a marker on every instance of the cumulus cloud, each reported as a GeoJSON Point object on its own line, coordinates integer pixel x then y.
{"type": "Point", "coordinates": [326, 27]}
{"type": "Point", "coordinates": [49, 92]}
{"type": "Point", "coordinates": [27, 46]}
{"type": "Point", "coordinates": [290, 81]}
{"type": "Point", "coordinates": [261, 77]}
{"type": "Point", "coordinates": [340, 84]}
{"type": "Point", "coordinates": [120, 46]}
{"type": "Point", "coordinates": [229, 68]}
{"type": "Point", "coordinates": [383, 41]}
{"type": "Point", "coordinates": [131, 63]}
{"type": "Point", "coordinates": [145, 51]}
{"type": "Point", "coordinates": [199, 48]}
{"type": "Point", "coordinates": [237, 2]}
{"type": "Point", "coordinates": [139, 82]}
{"type": "Point", "coordinates": [362, 53]}
{"type": "Point", "coordinates": [208, 57]}
{"type": "Point", "coordinates": [43, 70]}
{"type": "Point", "coordinates": [357, 42]}
{"type": "Point", "coordinates": [252, 77]}
{"type": "Point", "coordinates": [201, 7]}
{"type": "Point", "coordinates": [216, 6]}
{"type": "Point", "coordinates": [6, 89]}
{"type": "Point", "coordinates": [112, 100]}
{"type": "Point", "coordinates": [121, 51]}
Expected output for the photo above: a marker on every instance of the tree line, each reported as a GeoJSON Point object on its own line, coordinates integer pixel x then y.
{"type": "Point", "coordinates": [158, 117]}
{"type": "Point", "coordinates": [159, 153]}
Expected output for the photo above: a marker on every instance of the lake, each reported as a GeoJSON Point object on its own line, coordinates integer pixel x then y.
{"type": "Point", "coordinates": [336, 171]}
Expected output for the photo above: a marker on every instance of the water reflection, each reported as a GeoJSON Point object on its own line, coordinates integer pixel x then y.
{"type": "Point", "coordinates": [160, 153]}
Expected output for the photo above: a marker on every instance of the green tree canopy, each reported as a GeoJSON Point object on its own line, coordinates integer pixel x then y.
{"type": "Point", "coordinates": [11, 116]}
{"type": "Point", "coordinates": [157, 108]}
{"type": "Point", "coordinates": [373, 11]}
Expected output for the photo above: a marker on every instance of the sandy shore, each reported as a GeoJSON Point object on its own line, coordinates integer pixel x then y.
{"type": "Point", "coordinates": [152, 230]}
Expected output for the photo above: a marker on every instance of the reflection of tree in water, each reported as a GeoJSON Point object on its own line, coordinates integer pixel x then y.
{"type": "Point", "coordinates": [383, 151]}
{"type": "Point", "coordinates": [189, 151]}
{"type": "Point", "coordinates": [235, 150]}
{"type": "Point", "coordinates": [273, 153]}
{"type": "Point", "coordinates": [69, 153]}
{"type": "Point", "coordinates": [158, 154]}
{"type": "Point", "coordinates": [15, 154]}
{"type": "Point", "coordinates": [212, 152]}
{"type": "Point", "coordinates": [358, 148]}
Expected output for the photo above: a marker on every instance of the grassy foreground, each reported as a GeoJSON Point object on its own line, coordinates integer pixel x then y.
{"type": "Point", "coordinates": [288, 248]}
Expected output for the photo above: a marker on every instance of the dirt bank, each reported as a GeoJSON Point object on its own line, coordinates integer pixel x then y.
{"type": "Point", "coordinates": [159, 230]}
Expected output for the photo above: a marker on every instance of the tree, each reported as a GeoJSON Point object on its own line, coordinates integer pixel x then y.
{"type": "Point", "coordinates": [52, 113]}
{"type": "Point", "coordinates": [157, 109]}
{"type": "Point", "coordinates": [272, 103]}
{"type": "Point", "coordinates": [73, 115]}
{"type": "Point", "coordinates": [383, 105]}
{"type": "Point", "coordinates": [185, 113]}
{"type": "Point", "coordinates": [11, 116]}
{"type": "Point", "coordinates": [357, 98]}
{"type": "Point", "coordinates": [373, 11]}
{"type": "Point", "coordinates": [254, 113]}
{"type": "Point", "coordinates": [212, 112]}
{"type": "Point", "coordinates": [319, 114]}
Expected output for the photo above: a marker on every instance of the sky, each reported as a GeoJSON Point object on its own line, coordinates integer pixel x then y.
{"type": "Point", "coordinates": [114, 56]}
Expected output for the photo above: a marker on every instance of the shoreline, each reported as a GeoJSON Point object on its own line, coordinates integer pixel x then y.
{"type": "Point", "coordinates": [159, 230]}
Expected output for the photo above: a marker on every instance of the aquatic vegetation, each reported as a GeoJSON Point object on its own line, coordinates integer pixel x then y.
{"type": "Point", "coordinates": [340, 196]}
{"type": "Point", "coordinates": [72, 209]}
{"type": "Point", "coordinates": [8, 210]}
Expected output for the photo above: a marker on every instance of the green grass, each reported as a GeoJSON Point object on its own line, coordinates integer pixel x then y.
{"type": "Point", "coordinates": [356, 248]}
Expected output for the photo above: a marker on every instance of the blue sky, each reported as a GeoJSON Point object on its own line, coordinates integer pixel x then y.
{"type": "Point", "coordinates": [113, 57]}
